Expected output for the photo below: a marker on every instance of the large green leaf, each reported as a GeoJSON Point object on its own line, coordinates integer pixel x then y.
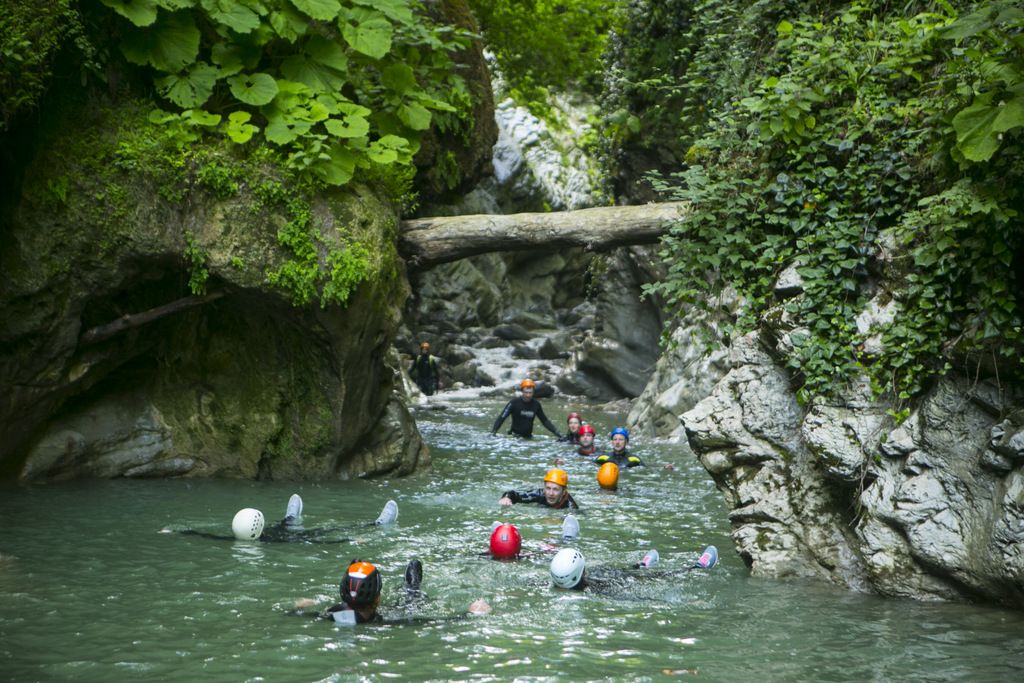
{"type": "Point", "coordinates": [191, 89]}
{"type": "Point", "coordinates": [321, 10]}
{"type": "Point", "coordinates": [234, 15]}
{"type": "Point", "coordinates": [368, 32]}
{"type": "Point", "coordinates": [171, 44]}
{"type": "Point", "coordinates": [338, 168]}
{"type": "Point", "coordinates": [1011, 115]}
{"type": "Point", "coordinates": [399, 10]}
{"type": "Point", "coordinates": [311, 73]}
{"type": "Point", "coordinates": [289, 23]}
{"type": "Point", "coordinates": [139, 12]}
{"type": "Point", "coordinates": [399, 78]}
{"type": "Point", "coordinates": [349, 127]}
{"type": "Point", "coordinates": [198, 117]}
{"type": "Point", "coordinates": [414, 115]}
{"type": "Point", "coordinates": [976, 138]}
{"type": "Point", "coordinates": [254, 89]}
{"type": "Point", "coordinates": [327, 52]}
{"type": "Point", "coordinates": [282, 131]}
{"type": "Point", "coordinates": [238, 127]}
{"type": "Point", "coordinates": [388, 150]}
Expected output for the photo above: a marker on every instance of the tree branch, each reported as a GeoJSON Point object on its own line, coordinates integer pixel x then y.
{"type": "Point", "coordinates": [127, 322]}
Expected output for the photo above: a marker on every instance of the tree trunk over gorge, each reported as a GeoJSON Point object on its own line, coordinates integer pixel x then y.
{"type": "Point", "coordinates": [427, 242]}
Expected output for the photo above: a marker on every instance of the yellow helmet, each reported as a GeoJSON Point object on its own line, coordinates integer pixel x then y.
{"type": "Point", "coordinates": [557, 476]}
{"type": "Point", "coordinates": [608, 476]}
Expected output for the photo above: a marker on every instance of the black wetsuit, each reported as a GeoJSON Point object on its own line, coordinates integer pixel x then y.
{"type": "Point", "coordinates": [623, 459]}
{"type": "Point", "coordinates": [285, 531]}
{"type": "Point", "coordinates": [424, 373]}
{"type": "Point", "coordinates": [589, 452]}
{"type": "Point", "coordinates": [346, 613]}
{"type": "Point", "coordinates": [571, 437]}
{"type": "Point", "coordinates": [522, 413]}
{"type": "Point", "coordinates": [537, 496]}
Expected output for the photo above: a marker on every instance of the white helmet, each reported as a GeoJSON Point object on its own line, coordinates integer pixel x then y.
{"type": "Point", "coordinates": [567, 567]}
{"type": "Point", "coordinates": [247, 524]}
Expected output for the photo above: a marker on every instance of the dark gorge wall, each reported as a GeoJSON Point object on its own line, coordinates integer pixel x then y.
{"type": "Point", "coordinates": [248, 384]}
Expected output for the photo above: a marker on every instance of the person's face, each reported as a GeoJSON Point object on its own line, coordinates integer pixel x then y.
{"type": "Point", "coordinates": [574, 425]}
{"type": "Point", "coordinates": [527, 393]}
{"type": "Point", "coordinates": [552, 493]}
{"type": "Point", "coordinates": [587, 440]}
{"type": "Point", "coordinates": [618, 442]}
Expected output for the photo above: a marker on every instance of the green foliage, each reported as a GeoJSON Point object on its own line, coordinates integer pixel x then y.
{"type": "Point", "coordinates": [840, 137]}
{"type": "Point", "coordinates": [32, 34]}
{"type": "Point", "coordinates": [547, 44]}
{"type": "Point", "coordinates": [335, 85]}
{"type": "Point", "coordinates": [302, 277]}
{"type": "Point", "coordinates": [196, 258]}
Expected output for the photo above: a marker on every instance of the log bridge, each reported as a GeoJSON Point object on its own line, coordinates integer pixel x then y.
{"type": "Point", "coordinates": [426, 242]}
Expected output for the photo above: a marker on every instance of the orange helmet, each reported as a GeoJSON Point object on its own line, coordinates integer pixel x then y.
{"type": "Point", "coordinates": [557, 476]}
{"type": "Point", "coordinates": [608, 476]}
{"type": "Point", "coordinates": [361, 584]}
{"type": "Point", "coordinates": [527, 384]}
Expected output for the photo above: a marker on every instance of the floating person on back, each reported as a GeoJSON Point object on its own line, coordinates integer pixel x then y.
{"type": "Point", "coordinates": [248, 525]}
{"type": "Point", "coordinates": [586, 441]}
{"type": "Point", "coordinates": [523, 409]}
{"type": "Point", "coordinates": [573, 423]}
{"type": "Point", "coordinates": [506, 543]}
{"type": "Point", "coordinates": [424, 371]}
{"type": "Point", "coordinates": [360, 590]}
{"type": "Point", "coordinates": [555, 493]}
{"type": "Point", "coordinates": [619, 455]}
{"type": "Point", "coordinates": [568, 571]}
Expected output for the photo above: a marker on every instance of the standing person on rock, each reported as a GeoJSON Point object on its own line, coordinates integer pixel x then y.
{"type": "Point", "coordinates": [522, 410]}
{"type": "Point", "coordinates": [573, 423]}
{"type": "Point", "coordinates": [424, 370]}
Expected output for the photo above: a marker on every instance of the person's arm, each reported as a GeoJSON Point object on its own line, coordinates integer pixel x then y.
{"type": "Point", "coordinates": [546, 422]}
{"type": "Point", "coordinates": [634, 461]}
{"type": "Point", "coordinates": [601, 459]}
{"type": "Point", "coordinates": [522, 497]}
{"type": "Point", "coordinates": [501, 418]}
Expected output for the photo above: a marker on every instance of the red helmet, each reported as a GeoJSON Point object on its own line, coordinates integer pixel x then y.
{"type": "Point", "coordinates": [505, 542]}
{"type": "Point", "coordinates": [586, 429]}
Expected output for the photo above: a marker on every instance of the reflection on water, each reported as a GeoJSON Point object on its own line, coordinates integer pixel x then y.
{"type": "Point", "coordinates": [89, 590]}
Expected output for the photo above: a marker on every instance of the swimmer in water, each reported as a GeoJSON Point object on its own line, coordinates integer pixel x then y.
{"type": "Point", "coordinates": [523, 410]}
{"type": "Point", "coordinates": [506, 543]}
{"type": "Point", "coordinates": [248, 525]}
{"type": "Point", "coordinates": [360, 590]}
{"type": "Point", "coordinates": [619, 455]}
{"type": "Point", "coordinates": [586, 441]}
{"type": "Point", "coordinates": [555, 493]}
{"type": "Point", "coordinates": [569, 571]}
{"type": "Point", "coordinates": [573, 423]}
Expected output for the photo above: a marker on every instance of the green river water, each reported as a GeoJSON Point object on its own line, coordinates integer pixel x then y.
{"type": "Point", "coordinates": [90, 591]}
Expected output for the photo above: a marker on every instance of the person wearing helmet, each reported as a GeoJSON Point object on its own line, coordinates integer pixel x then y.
{"type": "Point", "coordinates": [619, 455]}
{"type": "Point", "coordinates": [523, 410]}
{"type": "Point", "coordinates": [608, 476]}
{"type": "Point", "coordinates": [586, 441]}
{"type": "Point", "coordinates": [424, 370]}
{"type": "Point", "coordinates": [360, 590]}
{"type": "Point", "coordinates": [248, 525]}
{"type": "Point", "coordinates": [506, 543]}
{"type": "Point", "coordinates": [569, 571]}
{"type": "Point", "coordinates": [555, 493]}
{"type": "Point", "coordinates": [573, 423]}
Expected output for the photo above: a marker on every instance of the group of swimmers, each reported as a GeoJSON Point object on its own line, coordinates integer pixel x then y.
{"type": "Point", "coordinates": [360, 588]}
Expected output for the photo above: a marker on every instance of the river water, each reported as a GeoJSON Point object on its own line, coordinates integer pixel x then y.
{"type": "Point", "coordinates": [89, 590]}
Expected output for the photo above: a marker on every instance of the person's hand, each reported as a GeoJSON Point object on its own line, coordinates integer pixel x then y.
{"type": "Point", "coordinates": [669, 466]}
{"type": "Point", "coordinates": [305, 603]}
{"type": "Point", "coordinates": [505, 502]}
{"type": "Point", "coordinates": [479, 606]}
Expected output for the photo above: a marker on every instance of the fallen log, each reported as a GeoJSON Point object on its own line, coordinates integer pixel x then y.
{"type": "Point", "coordinates": [426, 242]}
{"type": "Point", "coordinates": [129, 321]}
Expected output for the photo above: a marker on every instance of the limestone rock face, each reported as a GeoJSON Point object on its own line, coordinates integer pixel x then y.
{"type": "Point", "coordinates": [930, 509]}
{"type": "Point", "coordinates": [247, 385]}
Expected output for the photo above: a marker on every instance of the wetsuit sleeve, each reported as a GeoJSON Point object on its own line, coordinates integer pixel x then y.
{"type": "Point", "coordinates": [525, 496]}
{"type": "Point", "coordinates": [546, 422]}
{"type": "Point", "coordinates": [601, 459]}
{"type": "Point", "coordinates": [501, 418]}
{"type": "Point", "coordinates": [634, 461]}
